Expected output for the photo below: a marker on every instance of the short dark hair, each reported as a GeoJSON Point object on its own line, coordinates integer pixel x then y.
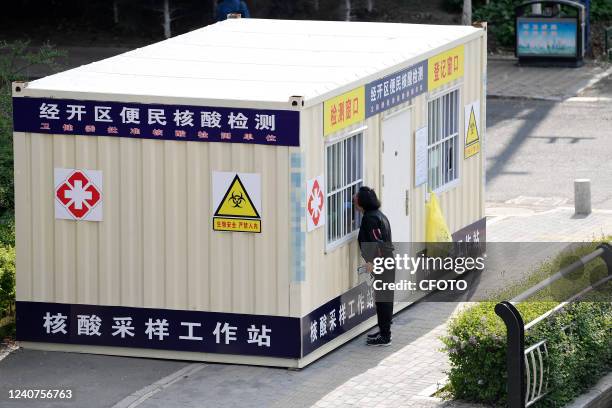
{"type": "Point", "coordinates": [367, 199]}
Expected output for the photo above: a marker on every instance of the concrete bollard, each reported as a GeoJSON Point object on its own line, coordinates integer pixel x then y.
{"type": "Point", "coordinates": [582, 196]}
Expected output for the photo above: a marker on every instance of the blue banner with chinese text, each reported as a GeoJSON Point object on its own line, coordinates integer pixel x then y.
{"type": "Point", "coordinates": [153, 121]}
{"type": "Point", "coordinates": [181, 330]}
{"type": "Point", "coordinates": [396, 88]}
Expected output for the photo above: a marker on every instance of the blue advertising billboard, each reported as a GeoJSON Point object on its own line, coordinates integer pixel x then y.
{"type": "Point", "coordinates": [554, 37]}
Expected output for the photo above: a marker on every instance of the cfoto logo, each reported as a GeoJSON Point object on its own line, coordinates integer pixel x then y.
{"type": "Point", "coordinates": [78, 194]}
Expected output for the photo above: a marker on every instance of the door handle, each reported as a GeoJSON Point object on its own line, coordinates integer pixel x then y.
{"type": "Point", "coordinates": [407, 204]}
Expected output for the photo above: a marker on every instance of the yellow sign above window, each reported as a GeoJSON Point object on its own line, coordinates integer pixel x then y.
{"type": "Point", "coordinates": [445, 67]}
{"type": "Point", "coordinates": [343, 110]}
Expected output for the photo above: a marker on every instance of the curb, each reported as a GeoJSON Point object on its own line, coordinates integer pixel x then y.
{"type": "Point", "coordinates": [600, 396]}
{"type": "Point", "coordinates": [528, 98]}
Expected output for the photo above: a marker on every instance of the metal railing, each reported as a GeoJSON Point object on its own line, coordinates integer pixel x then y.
{"type": "Point", "coordinates": [526, 367]}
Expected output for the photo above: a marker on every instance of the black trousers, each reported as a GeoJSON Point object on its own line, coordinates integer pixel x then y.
{"type": "Point", "coordinates": [384, 313]}
{"type": "Point", "coordinates": [384, 304]}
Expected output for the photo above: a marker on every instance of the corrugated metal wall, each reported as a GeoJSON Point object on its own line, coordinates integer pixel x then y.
{"type": "Point", "coordinates": [330, 274]}
{"type": "Point", "coordinates": [155, 247]}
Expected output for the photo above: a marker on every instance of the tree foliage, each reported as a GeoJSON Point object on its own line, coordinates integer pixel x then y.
{"type": "Point", "coordinates": [16, 58]}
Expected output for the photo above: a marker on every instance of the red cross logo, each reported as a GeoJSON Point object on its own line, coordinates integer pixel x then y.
{"type": "Point", "coordinates": [78, 194]}
{"type": "Point", "coordinates": [315, 203]}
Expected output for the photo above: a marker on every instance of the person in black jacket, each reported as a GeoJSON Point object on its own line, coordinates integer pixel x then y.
{"type": "Point", "coordinates": [375, 241]}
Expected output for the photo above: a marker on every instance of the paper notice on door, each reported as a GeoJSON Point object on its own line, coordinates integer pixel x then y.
{"type": "Point", "coordinates": [420, 156]}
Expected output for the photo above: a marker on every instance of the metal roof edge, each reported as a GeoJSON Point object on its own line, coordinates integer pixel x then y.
{"type": "Point", "coordinates": [293, 103]}
{"type": "Point", "coordinates": [308, 103]}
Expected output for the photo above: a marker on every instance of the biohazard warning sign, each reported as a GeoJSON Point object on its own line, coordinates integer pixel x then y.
{"type": "Point", "coordinates": [315, 203]}
{"type": "Point", "coordinates": [472, 131]}
{"type": "Point", "coordinates": [237, 202]}
{"type": "Point", "coordinates": [78, 194]}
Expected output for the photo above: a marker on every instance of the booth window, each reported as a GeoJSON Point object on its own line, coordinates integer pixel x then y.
{"type": "Point", "coordinates": [443, 139]}
{"type": "Point", "coordinates": [344, 172]}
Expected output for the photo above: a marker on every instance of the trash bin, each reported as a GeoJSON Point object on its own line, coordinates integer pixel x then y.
{"type": "Point", "coordinates": [551, 33]}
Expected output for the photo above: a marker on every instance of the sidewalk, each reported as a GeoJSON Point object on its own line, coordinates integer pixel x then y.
{"type": "Point", "coordinates": [505, 79]}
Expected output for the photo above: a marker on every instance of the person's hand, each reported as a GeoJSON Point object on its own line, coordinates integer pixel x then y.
{"type": "Point", "coordinates": [369, 267]}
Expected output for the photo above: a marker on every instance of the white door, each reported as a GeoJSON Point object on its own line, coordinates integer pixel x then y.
{"type": "Point", "coordinates": [396, 167]}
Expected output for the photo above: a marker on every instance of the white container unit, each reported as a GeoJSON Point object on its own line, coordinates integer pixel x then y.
{"type": "Point", "coordinates": [191, 199]}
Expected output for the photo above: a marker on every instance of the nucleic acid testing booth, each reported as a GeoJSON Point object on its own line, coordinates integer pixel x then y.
{"type": "Point", "coordinates": [192, 199]}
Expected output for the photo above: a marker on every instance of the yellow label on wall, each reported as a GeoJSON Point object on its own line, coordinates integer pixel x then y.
{"type": "Point", "coordinates": [445, 67]}
{"type": "Point", "coordinates": [471, 118]}
{"type": "Point", "coordinates": [343, 110]}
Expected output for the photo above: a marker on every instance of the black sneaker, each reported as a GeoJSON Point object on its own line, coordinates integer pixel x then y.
{"type": "Point", "coordinates": [373, 335]}
{"type": "Point", "coordinates": [379, 341]}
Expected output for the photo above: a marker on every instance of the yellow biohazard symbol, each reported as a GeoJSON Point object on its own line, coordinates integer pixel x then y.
{"type": "Point", "coordinates": [236, 202]}
{"type": "Point", "coordinates": [472, 138]}
{"type": "Point", "coordinates": [472, 133]}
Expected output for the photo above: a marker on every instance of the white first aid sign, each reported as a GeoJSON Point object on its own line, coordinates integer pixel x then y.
{"type": "Point", "coordinates": [78, 194]}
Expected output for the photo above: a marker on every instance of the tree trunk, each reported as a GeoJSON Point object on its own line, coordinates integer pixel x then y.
{"type": "Point", "coordinates": [167, 20]}
{"type": "Point", "coordinates": [370, 5]}
{"type": "Point", "coordinates": [347, 16]}
{"type": "Point", "coordinates": [214, 9]}
{"type": "Point", "coordinates": [466, 18]}
{"type": "Point", "coordinates": [116, 12]}
{"type": "Point", "coordinates": [316, 5]}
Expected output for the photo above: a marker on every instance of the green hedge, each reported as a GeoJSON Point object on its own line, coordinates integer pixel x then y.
{"type": "Point", "coordinates": [7, 279]}
{"type": "Point", "coordinates": [579, 341]}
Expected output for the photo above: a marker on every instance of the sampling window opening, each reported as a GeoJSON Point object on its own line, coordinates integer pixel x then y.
{"type": "Point", "coordinates": [344, 176]}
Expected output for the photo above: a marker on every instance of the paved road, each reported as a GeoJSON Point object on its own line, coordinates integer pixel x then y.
{"type": "Point", "coordinates": [95, 381]}
{"type": "Point", "coordinates": [537, 148]}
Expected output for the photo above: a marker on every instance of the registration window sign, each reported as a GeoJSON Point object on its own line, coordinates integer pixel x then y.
{"type": "Point", "coordinates": [153, 121]}
{"type": "Point", "coordinates": [445, 67]}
